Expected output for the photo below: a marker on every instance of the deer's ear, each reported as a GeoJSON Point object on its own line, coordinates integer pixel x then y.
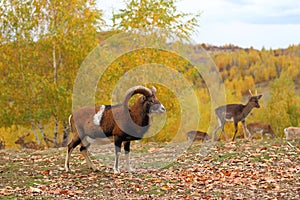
{"type": "Point", "coordinates": [259, 96]}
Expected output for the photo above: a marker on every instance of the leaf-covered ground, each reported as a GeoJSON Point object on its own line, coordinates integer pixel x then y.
{"type": "Point", "coordinates": [268, 169]}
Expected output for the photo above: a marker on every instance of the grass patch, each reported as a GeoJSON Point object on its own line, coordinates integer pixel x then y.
{"type": "Point", "coordinates": [156, 190]}
{"type": "Point", "coordinates": [102, 157]}
{"type": "Point", "coordinates": [257, 159]}
{"type": "Point", "coordinates": [217, 193]}
{"type": "Point", "coordinates": [226, 156]}
{"type": "Point", "coordinates": [158, 164]}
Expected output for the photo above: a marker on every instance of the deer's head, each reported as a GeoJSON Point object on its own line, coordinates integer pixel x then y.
{"type": "Point", "coordinates": [253, 99]}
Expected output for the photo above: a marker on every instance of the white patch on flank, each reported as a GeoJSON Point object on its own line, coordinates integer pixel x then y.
{"type": "Point", "coordinates": [98, 115]}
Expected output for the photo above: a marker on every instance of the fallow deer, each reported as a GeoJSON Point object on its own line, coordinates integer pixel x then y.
{"type": "Point", "coordinates": [2, 144]}
{"type": "Point", "coordinates": [292, 132]}
{"type": "Point", "coordinates": [197, 135]}
{"type": "Point", "coordinates": [235, 113]}
{"type": "Point", "coordinates": [261, 128]}
{"type": "Point", "coordinates": [26, 145]}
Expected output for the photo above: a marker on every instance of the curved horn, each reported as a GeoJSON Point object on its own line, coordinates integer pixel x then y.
{"type": "Point", "coordinates": [136, 90]}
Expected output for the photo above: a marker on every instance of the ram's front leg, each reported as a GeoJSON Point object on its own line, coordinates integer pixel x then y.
{"type": "Point", "coordinates": [118, 143]}
{"type": "Point", "coordinates": [127, 157]}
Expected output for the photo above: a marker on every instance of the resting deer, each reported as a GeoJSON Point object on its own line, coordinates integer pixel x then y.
{"type": "Point", "coordinates": [197, 135]}
{"type": "Point", "coordinates": [27, 145]}
{"type": "Point", "coordinates": [235, 113]}
{"type": "Point", "coordinates": [2, 144]}
{"type": "Point", "coordinates": [261, 128]}
{"type": "Point", "coordinates": [292, 132]}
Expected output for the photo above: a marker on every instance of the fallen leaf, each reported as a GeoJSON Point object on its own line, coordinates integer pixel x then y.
{"type": "Point", "coordinates": [35, 190]}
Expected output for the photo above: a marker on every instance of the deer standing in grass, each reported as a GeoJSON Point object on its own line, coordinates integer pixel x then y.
{"type": "Point", "coordinates": [235, 113]}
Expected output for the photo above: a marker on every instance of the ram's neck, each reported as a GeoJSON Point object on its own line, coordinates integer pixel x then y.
{"type": "Point", "coordinates": [139, 115]}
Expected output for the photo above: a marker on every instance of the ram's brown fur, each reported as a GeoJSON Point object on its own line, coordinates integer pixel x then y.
{"type": "Point", "coordinates": [121, 122]}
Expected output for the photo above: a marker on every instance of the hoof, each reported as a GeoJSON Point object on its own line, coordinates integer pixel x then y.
{"type": "Point", "coordinates": [116, 171]}
{"type": "Point", "coordinates": [131, 170]}
{"type": "Point", "coordinates": [94, 169]}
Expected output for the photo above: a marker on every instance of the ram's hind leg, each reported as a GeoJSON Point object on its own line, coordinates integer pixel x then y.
{"type": "Point", "coordinates": [83, 149]}
{"type": "Point", "coordinates": [71, 146]}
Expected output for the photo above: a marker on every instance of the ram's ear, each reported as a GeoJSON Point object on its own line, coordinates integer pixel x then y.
{"type": "Point", "coordinates": [142, 98]}
{"type": "Point", "coordinates": [153, 89]}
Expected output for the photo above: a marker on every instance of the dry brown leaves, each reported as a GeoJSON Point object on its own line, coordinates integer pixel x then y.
{"type": "Point", "coordinates": [241, 170]}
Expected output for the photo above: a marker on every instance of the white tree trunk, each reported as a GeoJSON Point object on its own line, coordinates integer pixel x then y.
{"type": "Point", "coordinates": [54, 64]}
{"type": "Point", "coordinates": [37, 139]}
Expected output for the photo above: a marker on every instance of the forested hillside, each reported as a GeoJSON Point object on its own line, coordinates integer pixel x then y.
{"type": "Point", "coordinates": [274, 73]}
{"type": "Point", "coordinates": [41, 53]}
{"type": "Point", "coordinates": [34, 103]}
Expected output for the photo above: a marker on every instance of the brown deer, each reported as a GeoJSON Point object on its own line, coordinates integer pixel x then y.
{"type": "Point", "coordinates": [261, 128]}
{"type": "Point", "coordinates": [235, 113]}
{"type": "Point", "coordinates": [26, 145]}
{"type": "Point", "coordinates": [292, 132]}
{"type": "Point", "coordinates": [197, 135]}
{"type": "Point", "coordinates": [2, 144]}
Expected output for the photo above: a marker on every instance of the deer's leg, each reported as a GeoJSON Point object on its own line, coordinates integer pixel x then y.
{"type": "Point", "coordinates": [127, 158]}
{"type": "Point", "coordinates": [118, 143]}
{"type": "Point", "coordinates": [244, 129]}
{"type": "Point", "coordinates": [219, 125]}
{"type": "Point", "coordinates": [262, 135]}
{"type": "Point", "coordinates": [236, 129]}
{"type": "Point", "coordinates": [215, 132]}
{"type": "Point", "coordinates": [223, 130]}
{"type": "Point", "coordinates": [75, 141]}
{"type": "Point", "coordinates": [250, 134]}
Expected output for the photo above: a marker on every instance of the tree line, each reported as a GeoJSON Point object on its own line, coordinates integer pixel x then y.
{"type": "Point", "coordinates": [44, 42]}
